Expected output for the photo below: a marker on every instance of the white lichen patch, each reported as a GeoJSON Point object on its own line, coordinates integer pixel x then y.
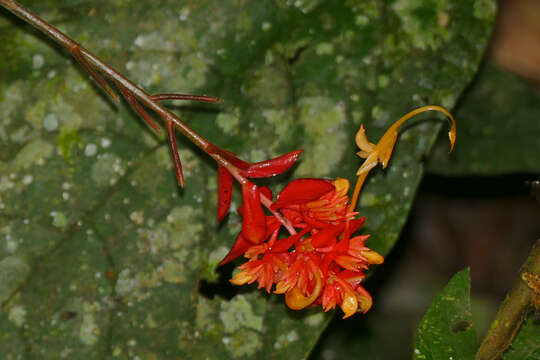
{"type": "Point", "coordinates": [324, 121]}
{"type": "Point", "coordinates": [107, 170]}
{"type": "Point", "coordinates": [163, 158]}
{"type": "Point", "coordinates": [70, 120]}
{"type": "Point", "coordinates": [324, 48]}
{"type": "Point", "coordinates": [137, 217]}
{"type": "Point", "coordinates": [257, 155]}
{"type": "Point", "coordinates": [284, 340]}
{"type": "Point", "coordinates": [243, 343]}
{"type": "Point", "coordinates": [205, 319]}
{"type": "Point", "coordinates": [424, 32]}
{"type": "Point", "coordinates": [280, 121]}
{"type": "Point", "coordinates": [27, 179]}
{"type": "Point", "coordinates": [90, 149]}
{"type": "Point", "coordinates": [89, 331]}
{"type": "Point", "coordinates": [50, 122]}
{"type": "Point", "coordinates": [228, 123]}
{"type": "Point", "coordinates": [35, 152]}
{"type": "Point", "coordinates": [17, 315]}
{"type": "Point", "coordinates": [173, 272]}
{"type": "Point", "coordinates": [59, 219]}
{"type": "Point", "coordinates": [153, 240]}
{"type": "Point", "coordinates": [10, 101]}
{"type": "Point", "coordinates": [238, 313]}
{"type": "Point", "coordinates": [125, 284]}
{"type": "Point", "coordinates": [14, 271]}
{"type": "Point", "coordinates": [315, 319]}
{"type": "Point", "coordinates": [37, 61]}
{"type": "Point", "coordinates": [183, 226]}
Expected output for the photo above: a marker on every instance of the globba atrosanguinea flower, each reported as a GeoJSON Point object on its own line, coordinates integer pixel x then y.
{"type": "Point", "coordinates": [321, 261]}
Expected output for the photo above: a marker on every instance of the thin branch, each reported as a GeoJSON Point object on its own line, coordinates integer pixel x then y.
{"type": "Point", "coordinates": [513, 310]}
{"type": "Point", "coordinates": [200, 98]}
{"type": "Point", "coordinates": [174, 152]}
{"type": "Point", "coordinates": [139, 109]}
{"type": "Point", "coordinates": [89, 58]}
{"type": "Point", "coordinates": [134, 95]}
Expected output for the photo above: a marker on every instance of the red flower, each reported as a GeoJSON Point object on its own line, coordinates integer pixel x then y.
{"type": "Point", "coordinates": [320, 263]}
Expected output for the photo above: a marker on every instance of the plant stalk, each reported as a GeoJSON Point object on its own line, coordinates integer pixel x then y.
{"type": "Point", "coordinates": [141, 95]}
{"type": "Point", "coordinates": [521, 298]}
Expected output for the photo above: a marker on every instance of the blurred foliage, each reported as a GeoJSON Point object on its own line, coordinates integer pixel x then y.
{"type": "Point", "coordinates": [499, 131]}
{"type": "Point", "coordinates": [102, 255]}
{"type": "Point", "coordinates": [526, 345]}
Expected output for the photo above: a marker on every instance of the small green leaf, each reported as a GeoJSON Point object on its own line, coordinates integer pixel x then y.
{"type": "Point", "coordinates": [446, 330]}
{"type": "Point", "coordinates": [526, 345]}
{"type": "Point", "coordinates": [498, 128]}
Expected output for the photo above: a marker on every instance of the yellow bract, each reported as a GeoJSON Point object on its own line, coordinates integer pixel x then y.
{"type": "Point", "coordinates": [381, 152]}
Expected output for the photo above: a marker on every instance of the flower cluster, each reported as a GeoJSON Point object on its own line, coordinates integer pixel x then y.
{"type": "Point", "coordinates": [319, 263]}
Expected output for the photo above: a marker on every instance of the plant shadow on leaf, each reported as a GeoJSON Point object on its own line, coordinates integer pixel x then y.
{"type": "Point", "coordinates": [222, 287]}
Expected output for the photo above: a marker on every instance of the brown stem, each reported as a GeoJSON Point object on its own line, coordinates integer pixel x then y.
{"type": "Point", "coordinates": [139, 109]}
{"type": "Point", "coordinates": [96, 63]}
{"type": "Point", "coordinates": [513, 310]}
{"type": "Point", "coordinates": [175, 155]}
{"type": "Point", "coordinates": [92, 62]}
{"type": "Point", "coordinates": [200, 98]}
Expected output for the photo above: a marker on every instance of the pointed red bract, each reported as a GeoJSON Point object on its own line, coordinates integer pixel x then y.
{"type": "Point", "coordinates": [225, 182]}
{"type": "Point", "coordinates": [284, 245]}
{"type": "Point", "coordinates": [327, 237]}
{"type": "Point", "coordinates": [254, 223]}
{"type": "Point", "coordinates": [240, 246]}
{"type": "Point", "coordinates": [301, 191]}
{"type": "Point", "coordinates": [272, 167]}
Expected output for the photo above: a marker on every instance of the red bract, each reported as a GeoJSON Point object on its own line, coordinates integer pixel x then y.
{"type": "Point", "coordinates": [272, 167]}
{"type": "Point", "coordinates": [254, 224]}
{"type": "Point", "coordinates": [321, 263]}
{"type": "Point", "coordinates": [225, 182]}
{"type": "Point", "coordinates": [263, 169]}
{"type": "Point", "coordinates": [301, 191]}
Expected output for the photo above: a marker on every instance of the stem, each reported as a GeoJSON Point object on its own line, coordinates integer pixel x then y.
{"type": "Point", "coordinates": [74, 48]}
{"type": "Point", "coordinates": [513, 310]}
{"type": "Point", "coordinates": [132, 93]}
{"type": "Point", "coordinates": [359, 182]}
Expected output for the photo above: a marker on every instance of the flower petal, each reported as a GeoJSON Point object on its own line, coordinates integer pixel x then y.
{"type": "Point", "coordinates": [272, 167]}
{"type": "Point", "coordinates": [224, 192]}
{"type": "Point", "coordinates": [254, 221]}
{"type": "Point", "coordinates": [327, 237]}
{"type": "Point", "coordinates": [301, 191]}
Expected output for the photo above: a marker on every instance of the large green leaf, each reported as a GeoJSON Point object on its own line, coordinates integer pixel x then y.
{"type": "Point", "coordinates": [526, 345]}
{"type": "Point", "coordinates": [103, 254]}
{"type": "Point", "coordinates": [498, 128]}
{"type": "Point", "coordinates": [446, 330]}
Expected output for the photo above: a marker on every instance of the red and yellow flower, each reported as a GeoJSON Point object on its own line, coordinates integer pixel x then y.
{"type": "Point", "coordinates": [321, 261]}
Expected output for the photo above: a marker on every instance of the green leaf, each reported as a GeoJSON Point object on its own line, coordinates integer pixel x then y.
{"type": "Point", "coordinates": [498, 128]}
{"type": "Point", "coordinates": [446, 330]}
{"type": "Point", "coordinates": [105, 255]}
{"type": "Point", "coordinates": [526, 345]}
